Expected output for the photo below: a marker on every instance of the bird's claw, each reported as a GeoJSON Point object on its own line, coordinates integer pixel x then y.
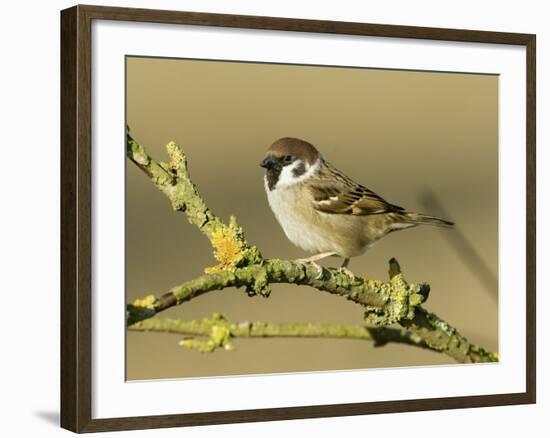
{"type": "Point", "coordinates": [346, 271]}
{"type": "Point", "coordinates": [317, 266]}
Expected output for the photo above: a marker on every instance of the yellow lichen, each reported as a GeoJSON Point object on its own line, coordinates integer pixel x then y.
{"type": "Point", "coordinates": [227, 248]}
{"type": "Point", "coordinates": [176, 155]}
{"type": "Point", "coordinates": [219, 336]}
{"type": "Point", "coordinates": [147, 302]}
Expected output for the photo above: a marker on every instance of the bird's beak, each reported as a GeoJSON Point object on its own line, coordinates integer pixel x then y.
{"type": "Point", "coordinates": [268, 162]}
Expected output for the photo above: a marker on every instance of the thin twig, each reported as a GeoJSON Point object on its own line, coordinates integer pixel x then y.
{"type": "Point", "coordinates": [219, 332]}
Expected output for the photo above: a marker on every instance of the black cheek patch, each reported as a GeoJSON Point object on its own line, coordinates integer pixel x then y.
{"type": "Point", "coordinates": [272, 176]}
{"type": "Point", "coordinates": [299, 170]}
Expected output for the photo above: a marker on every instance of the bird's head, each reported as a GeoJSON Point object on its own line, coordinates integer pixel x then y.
{"type": "Point", "coordinates": [290, 161]}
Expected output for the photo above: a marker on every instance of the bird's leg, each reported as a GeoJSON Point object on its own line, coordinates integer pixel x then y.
{"type": "Point", "coordinates": [313, 259]}
{"type": "Point", "coordinates": [316, 257]}
{"type": "Point", "coordinates": [344, 268]}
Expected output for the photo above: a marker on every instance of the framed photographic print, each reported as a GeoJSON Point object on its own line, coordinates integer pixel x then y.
{"type": "Point", "coordinates": [270, 218]}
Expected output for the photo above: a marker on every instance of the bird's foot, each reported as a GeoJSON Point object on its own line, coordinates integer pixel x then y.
{"type": "Point", "coordinates": [313, 259]}
{"type": "Point", "coordinates": [316, 265]}
{"type": "Point", "coordinates": [345, 270]}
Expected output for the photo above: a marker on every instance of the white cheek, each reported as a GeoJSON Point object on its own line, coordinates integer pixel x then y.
{"type": "Point", "coordinates": [287, 178]}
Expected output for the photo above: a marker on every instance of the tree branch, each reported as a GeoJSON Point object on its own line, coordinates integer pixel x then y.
{"type": "Point", "coordinates": [219, 332]}
{"type": "Point", "coordinates": [241, 265]}
{"type": "Point", "coordinates": [383, 303]}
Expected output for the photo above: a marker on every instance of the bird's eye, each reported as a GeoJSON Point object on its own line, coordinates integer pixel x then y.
{"type": "Point", "coordinates": [287, 158]}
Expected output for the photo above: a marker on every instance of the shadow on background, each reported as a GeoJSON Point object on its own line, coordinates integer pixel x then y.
{"type": "Point", "coordinates": [51, 417]}
{"type": "Point", "coordinates": [463, 247]}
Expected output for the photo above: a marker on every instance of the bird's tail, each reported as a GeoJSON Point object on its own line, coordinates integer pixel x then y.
{"type": "Point", "coordinates": [421, 219]}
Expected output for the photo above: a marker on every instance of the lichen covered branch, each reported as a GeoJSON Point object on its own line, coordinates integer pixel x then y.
{"type": "Point", "coordinates": [442, 337]}
{"type": "Point", "coordinates": [208, 334]}
{"type": "Point", "coordinates": [384, 303]}
{"type": "Point", "coordinates": [241, 265]}
{"type": "Point", "coordinates": [172, 179]}
{"type": "Point", "coordinates": [439, 335]}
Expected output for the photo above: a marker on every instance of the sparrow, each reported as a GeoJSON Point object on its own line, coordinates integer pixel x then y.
{"type": "Point", "coordinates": [323, 211]}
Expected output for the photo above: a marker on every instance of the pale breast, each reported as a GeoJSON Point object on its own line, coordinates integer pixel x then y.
{"type": "Point", "coordinates": [315, 231]}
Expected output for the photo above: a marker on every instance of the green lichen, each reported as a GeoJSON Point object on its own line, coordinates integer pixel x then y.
{"type": "Point", "coordinates": [177, 157]}
{"type": "Point", "coordinates": [145, 302]}
{"type": "Point", "coordinates": [260, 286]}
{"type": "Point", "coordinates": [219, 336]}
{"type": "Point", "coordinates": [138, 154]}
{"type": "Point", "coordinates": [399, 299]}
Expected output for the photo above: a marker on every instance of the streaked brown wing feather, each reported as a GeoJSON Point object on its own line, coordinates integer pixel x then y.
{"type": "Point", "coordinates": [334, 192]}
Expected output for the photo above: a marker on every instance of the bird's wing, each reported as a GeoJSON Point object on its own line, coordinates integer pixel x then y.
{"type": "Point", "coordinates": [335, 193]}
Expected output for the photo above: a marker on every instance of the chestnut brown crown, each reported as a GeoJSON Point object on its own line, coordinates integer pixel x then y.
{"type": "Point", "coordinates": [294, 147]}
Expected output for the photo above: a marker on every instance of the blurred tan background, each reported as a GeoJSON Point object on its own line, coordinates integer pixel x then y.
{"type": "Point", "coordinates": [402, 134]}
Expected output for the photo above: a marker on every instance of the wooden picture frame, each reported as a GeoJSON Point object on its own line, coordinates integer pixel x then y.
{"type": "Point", "coordinates": [76, 217]}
